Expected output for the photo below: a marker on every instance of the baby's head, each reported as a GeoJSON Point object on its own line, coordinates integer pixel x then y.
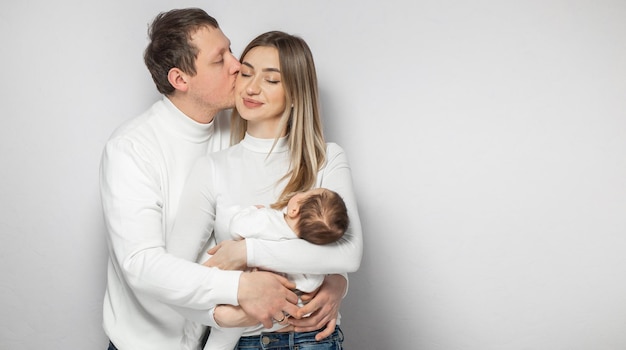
{"type": "Point", "coordinates": [321, 215]}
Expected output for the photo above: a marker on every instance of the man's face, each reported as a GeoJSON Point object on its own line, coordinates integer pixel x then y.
{"type": "Point", "coordinates": [212, 88]}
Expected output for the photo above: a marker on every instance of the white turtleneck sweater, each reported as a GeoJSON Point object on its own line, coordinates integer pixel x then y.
{"type": "Point", "coordinates": [245, 174]}
{"type": "Point", "coordinates": [143, 170]}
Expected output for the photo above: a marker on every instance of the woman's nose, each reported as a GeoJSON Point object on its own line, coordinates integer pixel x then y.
{"type": "Point", "coordinates": [252, 88]}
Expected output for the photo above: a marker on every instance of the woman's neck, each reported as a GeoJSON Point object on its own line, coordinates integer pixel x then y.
{"type": "Point", "coordinates": [263, 130]}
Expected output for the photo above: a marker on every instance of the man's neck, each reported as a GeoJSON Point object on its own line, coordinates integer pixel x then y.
{"type": "Point", "coordinates": [191, 110]}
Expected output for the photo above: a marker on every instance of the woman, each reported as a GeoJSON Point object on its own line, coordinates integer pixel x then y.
{"type": "Point", "coordinates": [279, 149]}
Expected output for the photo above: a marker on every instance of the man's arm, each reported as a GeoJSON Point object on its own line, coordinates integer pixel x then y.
{"type": "Point", "coordinates": [262, 297]}
{"type": "Point", "coordinates": [133, 204]}
{"type": "Point", "coordinates": [323, 304]}
{"type": "Point", "coordinates": [266, 296]}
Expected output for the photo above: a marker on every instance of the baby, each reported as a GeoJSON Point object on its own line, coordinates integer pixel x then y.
{"type": "Point", "coordinates": [318, 216]}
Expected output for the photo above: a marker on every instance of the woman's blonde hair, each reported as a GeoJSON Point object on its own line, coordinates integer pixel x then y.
{"type": "Point", "coordinates": [301, 119]}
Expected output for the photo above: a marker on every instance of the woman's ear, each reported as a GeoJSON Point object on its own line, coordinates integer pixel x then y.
{"type": "Point", "coordinates": [178, 79]}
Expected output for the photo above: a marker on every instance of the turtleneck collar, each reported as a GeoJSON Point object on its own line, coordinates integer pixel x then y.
{"type": "Point", "coordinates": [180, 123]}
{"type": "Point", "coordinates": [265, 145]}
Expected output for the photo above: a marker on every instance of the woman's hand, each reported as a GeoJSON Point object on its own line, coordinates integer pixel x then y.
{"type": "Point", "coordinates": [232, 316]}
{"type": "Point", "coordinates": [228, 255]}
{"type": "Point", "coordinates": [323, 305]}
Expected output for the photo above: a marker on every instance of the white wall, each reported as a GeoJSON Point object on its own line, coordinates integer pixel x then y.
{"type": "Point", "coordinates": [487, 140]}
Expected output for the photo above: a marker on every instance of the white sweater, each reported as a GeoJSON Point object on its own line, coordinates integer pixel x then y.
{"type": "Point", "coordinates": [143, 170]}
{"type": "Point", "coordinates": [245, 175]}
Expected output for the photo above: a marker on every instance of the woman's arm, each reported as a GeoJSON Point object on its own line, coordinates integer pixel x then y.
{"type": "Point", "coordinates": [300, 256]}
{"type": "Point", "coordinates": [323, 307]}
{"type": "Point", "coordinates": [260, 294]}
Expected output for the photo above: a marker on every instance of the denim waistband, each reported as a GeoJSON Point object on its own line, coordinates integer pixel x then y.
{"type": "Point", "coordinates": [290, 339]}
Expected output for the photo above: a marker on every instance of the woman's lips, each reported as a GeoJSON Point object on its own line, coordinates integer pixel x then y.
{"type": "Point", "coordinates": [249, 103]}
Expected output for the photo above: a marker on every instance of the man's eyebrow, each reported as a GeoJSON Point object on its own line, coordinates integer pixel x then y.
{"type": "Point", "coordinates": [264, 70]}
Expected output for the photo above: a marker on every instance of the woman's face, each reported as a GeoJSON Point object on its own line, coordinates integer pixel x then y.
{"type": "Point", "coordinates": [259, 91]}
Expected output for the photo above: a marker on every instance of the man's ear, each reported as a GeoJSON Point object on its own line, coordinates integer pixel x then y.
{"type": "Point", "coordinates": [178, 79]}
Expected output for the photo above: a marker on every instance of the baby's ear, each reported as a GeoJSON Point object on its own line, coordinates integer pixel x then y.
{"type": "Point", "coordinates": [293, 212]}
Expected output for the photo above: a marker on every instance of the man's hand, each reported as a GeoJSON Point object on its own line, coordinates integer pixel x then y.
{"type": "Point", "coordinates": [266, 296]}
{"type": "Point", "coordinates": [323, 306]}
{"type": "Point", "coordinates": [228, 255]}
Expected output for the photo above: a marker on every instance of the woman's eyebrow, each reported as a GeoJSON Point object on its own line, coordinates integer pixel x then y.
{"type": "Point", "coordinates": [264, 69]}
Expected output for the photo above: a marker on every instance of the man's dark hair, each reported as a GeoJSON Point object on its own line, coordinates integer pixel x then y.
{"type": "Point", "coordinates": [170, 44]}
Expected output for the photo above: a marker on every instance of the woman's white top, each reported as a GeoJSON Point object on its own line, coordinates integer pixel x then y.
{"type": "Point", "coordinates": [248, 174]}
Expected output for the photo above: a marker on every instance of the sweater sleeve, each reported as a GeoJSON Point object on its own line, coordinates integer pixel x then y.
{"type": "Point", "coordinates": [133, 211]}
{"type": "Point", "coordinates": [300, 256]}
{"type": "Point", "coordinates": [195, 218]}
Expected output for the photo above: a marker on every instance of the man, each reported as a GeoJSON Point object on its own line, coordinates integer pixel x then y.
{"type": "Point", "coordinates": [143, 170]}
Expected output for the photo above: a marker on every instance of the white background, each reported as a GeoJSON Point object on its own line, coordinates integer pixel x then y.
{"type": "Point", "coordinates": [487, 141]}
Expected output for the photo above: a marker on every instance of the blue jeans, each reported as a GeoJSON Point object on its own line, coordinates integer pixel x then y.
{"type": "Point", "coordinates": [291, 341]}
{"type": "Point", "coordinates": [111, 346]}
